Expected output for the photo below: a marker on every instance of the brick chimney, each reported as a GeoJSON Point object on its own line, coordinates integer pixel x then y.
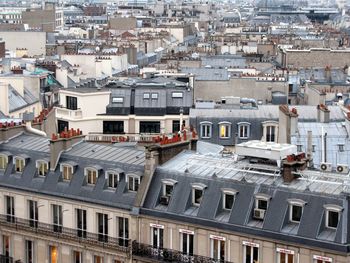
{"type": "Point", "coordinates": [17, 70]}
{"type": "Point", "coordinates": [323, 113]}
{"type": "Point", "coordinates": [291, 164]}
{"type": "Point", "coordinates": [63, 142]}
{"type": "Point", "coordinates": [9, 130]}
{"type": "Point", "coordinates": [288, 123]}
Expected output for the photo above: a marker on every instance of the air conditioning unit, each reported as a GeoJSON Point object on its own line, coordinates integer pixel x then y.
{"type": "Point", "coordinates": [259, 213]}
{"type": "Point", "coordinates": [326, 167]}
{"type": "Point", "coordinates": [342, 168]}
{"type": "Point", "coordinates": [164, 200]}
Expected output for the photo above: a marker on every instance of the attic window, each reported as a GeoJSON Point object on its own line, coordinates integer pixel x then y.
{"type": "Point", "coordinates": [261, 205]}
{"type": "Point", "coordinates": [91, 175]}
{"type": "Point", "coordinates": [154, 96]}
{"type": "Point", "coordinates": [167, 191]}
{"type": "Point", "coordinates": [341, 147]}
{"type": "Point", "coordinates": [67, 171]}
{"type": "Point", "coordinates": [177, 95]}
{"type": "Point", "coordinates": [112, 178]}
{"type": "Point", "coordinates": [228, 198]}
{"type": "Point", "coordinates": [19, 163]}
{"type": "Point", "coordinates": [3, 161]}
{"type": "Point", "coordinates": [332, 215]}
{"type": "Point", "coordinates": [146, 96]}
{"type": "Point", "coordinates": [133, 181]}
{"type": "Point", "coordinates": [197, 193]}
{"type": "Point", "coordinates": [43, 167]}
{"type": "Point", "coordinates": [296, 207]}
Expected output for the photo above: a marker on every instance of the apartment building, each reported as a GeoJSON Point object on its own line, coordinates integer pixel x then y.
{"type": "Point", "coordinates": [126, 108]}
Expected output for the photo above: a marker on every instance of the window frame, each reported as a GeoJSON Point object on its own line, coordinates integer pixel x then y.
{"type": "Point", "coordinates": [146, 95]}
{"type": "Point", "coordinates": [69, 167]}
{"type": "Point", "coordinates": [251, 246]}
{"type": "Point", "coordinates": [177, 95]}
{"type": "Point", "coordinates": [38, 167]}
{"type": "Point", "coordinates": [219, 240]}
{"type": "Point", "coordinates": [197, 187]}
{"type": "Point", "coordinates": [91, 171]}
{"type": "Point", "coordinates": [154, 96]}
{"type": "Point", "coordinates": [286, 252]}
{"type": "Point", "coordinates": [4, 160]}
{"type": "Point", "coordinates": [228, 128]}
{"type": "Point", "coordinates": [261, 197]}
{"type": "Point", "coordinates": [113, 173]}
{"type": "Point", "coordinates": [226, 192]}
{"type": "Point", "coordinates": [117, 100]}
{"type": "Point", "coordinates": [209, 132]}
{"type": "Point", "coordinates": [241, 125]}
{"type": "Point", "coordinates": [185, 234]}
{"type": "Point", "coordinates": [165, 183]}
{"type": "Point", "coordinates": [332, 208]}
{"type": "Point", "coordinates": [22, 165]}
{"type": "Point", "coordinates": [160, 235]}
{"type": "Point", "coordinates": [295, 202]}
{"type": "Point", "coordinates": [134, 177]}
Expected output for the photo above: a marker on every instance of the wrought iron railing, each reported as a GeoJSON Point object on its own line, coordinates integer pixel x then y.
{"type": "Point", "coordinates": [169, 255]}
{"type": "Point", "coordinates": [58, 231]}
{"type": "Point", "coordinates": [6, 259]}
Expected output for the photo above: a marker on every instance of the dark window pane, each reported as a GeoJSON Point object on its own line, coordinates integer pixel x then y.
{"type": "Point", "coordinates": [333, 218]}
{"type": "Point", "coordinates": [296, 213]}
{"type": "Point", "coordinates": [113, 127]}
{"type": "Point", "coordinates": [149, 127]}
{"type": "Point", "coordinates": [229, 201]}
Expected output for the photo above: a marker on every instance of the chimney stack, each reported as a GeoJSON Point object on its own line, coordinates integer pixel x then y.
{"type": "Point", "coordinates": [291, 164]}
{"type": "Point", "coordinates": [63, 142]}
{"type": "Point", "coordinates": [288, 123]}
{"type": "Point", "coordinates": [323, 113]}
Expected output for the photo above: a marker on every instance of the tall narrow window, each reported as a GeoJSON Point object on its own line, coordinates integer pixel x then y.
{"type": "Point", "coordinates": [157, 232]}
{"type": "Point", "coordinates": [19, 164]}
{"type": "Point", "coordinates": [102, 227]}
{"type": "Point", "coordinates": [285, 255]}
{"type": "Point", "coordinates": [217, 247]}
{"type": "Point", "coordinates": [112, 179]}
{"type": "Point", "coordinates": [123, 231]}
{"type": "Point", "coordinates": [186, 239]}
{"type": "Point", "coordinates": [6, 246]}
{"type": "Point", "coordinates": [206, 130]}
{"type": "Point", "coordinates": [134, 182]}
{"type": "Point", "coordinates": [33, 213]}
{"type": "Point", "coordinates": [296, 207]}
{"type": "Point", "coordinates": [333, 213]}
{"type": "Point", "coordinates": [250, 252]}
{"type": "Point", "coordinates": [243, 130]}
{"type": "Point", "coordinates": [197, 193]}
{"type": "Point", "coordinates": [29, 251]}
{"type": "Point", "coordinates": [91, 176]}
{"type": "Point", "coordinates": [224, 130]}
{"type": "Point", "coordinates": [98, 259]}
{"type": "Point", "coordinates": [77, 257]}
{"type": "Point", "coordinates": [81, 222]}
{"type": "Point", "coordinates": [3, 161]}
{"type": "Point", "coordinates": [10, 208]}
{"type": "Point", "coordinates": [43, 167]}
{"type": "Point", "coordinates": [57, 218]}
{"type": "Point", "coordinates": [270, 133]}
{"type": "Point", "coordinates": [67, 172]}
{"type": "Point", "coordinates": [53, 254]}
{"type": "Point", "coordinates": [71, 103]}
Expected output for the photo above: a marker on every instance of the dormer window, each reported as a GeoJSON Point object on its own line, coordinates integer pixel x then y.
{"type": "Point", "coordinates": [112, 178]}
{"type": "Point", "coordinates": [3, 161]}
{"type": "Point", "coordinates": [67, 170]}
{"type": "Point", "coordinates": [243, 130]}
{"type": "Point", "coordinates": [224, 130]}
{"type": "Point", "coordinates": [332, 215]}
{"type": "Point", "coordinates": [19, 163]}
{"type": "Point", "coordinates": [91, 175]}
{"type": "Point", "coordinates": [197, 193]}
{"type": "Point", "coordinates": [228, 198]}
{"type": "Point", "coordinates": [296, 207]}
{"type": "Point", "coordinates": [133, 182]}
{"type": "Point", "coordinates": [206, 129]}
{"type": "Point", "coordinates": [261, 205]}
{"type": "Point", "coordinates": [167, 191]}
{"type": "Point", "coordinates": [43, 167]}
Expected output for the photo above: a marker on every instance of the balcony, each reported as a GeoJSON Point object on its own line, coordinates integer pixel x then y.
{"type": "Point", "coordinates": [168, 255]}
{"type": "Point", "coordinates": [60, 232]}
{"type": "Point", "coordinates": [67, 113]}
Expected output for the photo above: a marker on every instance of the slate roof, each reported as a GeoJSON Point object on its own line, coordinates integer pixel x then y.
{"type": "Point", "coordinates": [189, 168]}
{"type": "Point", "coordinates": [17, 101]}
{"type": "Point", "coordinates": [128, 160]}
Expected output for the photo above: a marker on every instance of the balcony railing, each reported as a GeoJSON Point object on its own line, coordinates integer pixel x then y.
{"type": "Point", "coordinates": [58, 231]}
{"type": "Point", "coordinates": [169, 255]}
{"type": "Point", "coordinates": [6, 259]}
{"type": "Point", "coordinates": [64, 112]}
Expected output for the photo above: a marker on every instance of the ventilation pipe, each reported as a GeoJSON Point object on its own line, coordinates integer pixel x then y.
{"type": "Point", "coordinates": [30, 129]}
{"type": "Point", "coordinates": [249, 100]}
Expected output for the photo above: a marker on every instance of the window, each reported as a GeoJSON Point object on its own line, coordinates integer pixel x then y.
{"type": "Point", "coordinates": [71, 103]}
{"type": "Point", "coordinates": [270, 133]}
{"type": "Point", "coordinates": [177, 95]}
{"type": "Point", "coordinates": [168, 189]}
{"type": "Point", "coordinates": [154, 96]}
{"type": "Point", "coordinates": [299, 148]}
{"type": "Point", "coordinates": [29, 251]}
{"type": "Point", "coordinates": [43, 167]}
{"type": "Point", "coordinates": [224, 130]}
{"type": "Point", "coordinates": [149, 127]}
{"type": "Point", "coordinates": [113, 127]}
{"type": "Point", "coordinates": [186, 241]}
{"type": "Point", "coordinates": [10, 208]}
{"type": "Point", "coordinates": [250, 252]}
{"type": "Point", "coordinates": [77, 257]}
{"type": "Point", "coordinates": [57, 218]}
{"type": "Point", "coordinates": [117, 100]}
{"type": "Point", "coordinates": [217, 247]}
{"type": "Point", "coordinates": [123, 231]}
{"type": "Point", "coordinates": [321, 259]}
{"type": "Point", "coordinates": [67, 172]}
{"type": "Point", "coordinates": [296, 207]}
{"type": "Point", "coordinates": [133, 183]}
{"type": "Point", "coordinates": [176, 126]}
{"type": "Point", "coordinates": [228, 198]}
{"type": "Point", "coordinates": [81, 222]}
{"type": "Point", "coordinates": [285, 255]}
{"type": "Point", "coordinates": [146, 96]}
{"type": "Point", "coordinates": [33, 213]}
{"type": "Point", "coordinates": [112, 179]}
{"type": "Point", "coordinates": [3, 161]}
{"type": "Point", "coordinates": [206, 130]}
{"type": "Point", "coordinates": [341, 147]}
{"type": "Point", "coordinates": [243, 130]}
{"type": "Point", "coordinates": [98, 259]}
{"type": "Point", "coordinates": [6, 246]}
{"type": "Point", "coordinates": [313, 148]}
{"type": "Point", "coordinates": [53, 254]}
{"type": "Point", "coordinates": [102, 227]}
{"type": "Point", "coordinates": [332, 215]}
{"type": "Point", "coordinates": [261, 205]}
{"type": "Point", "coordinates": [19, 164]}
{"type": "Point", "coordinates": [91, 175]}
{"type": "Point", "coordinates": [197, 196]}
{"type": "Point", "coordinates": [157, 235]}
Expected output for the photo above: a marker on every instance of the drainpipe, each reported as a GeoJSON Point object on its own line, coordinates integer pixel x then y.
{"type": "Point", "coordinates": [30, 129]}
{"type": "Point", "coordinates": [322, 145]}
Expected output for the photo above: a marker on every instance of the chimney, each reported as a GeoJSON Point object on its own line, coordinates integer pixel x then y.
{"type": "Point", "coordinates": [288, 123]}
{"type": "Point", "coordinates": [290, 165]}
{"type": "Point", "coordinates": [323, 113]}
{"type": "Point", "coordinates": [10, 130]}
{"type": "Point", "coordinates": [63, 142]}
